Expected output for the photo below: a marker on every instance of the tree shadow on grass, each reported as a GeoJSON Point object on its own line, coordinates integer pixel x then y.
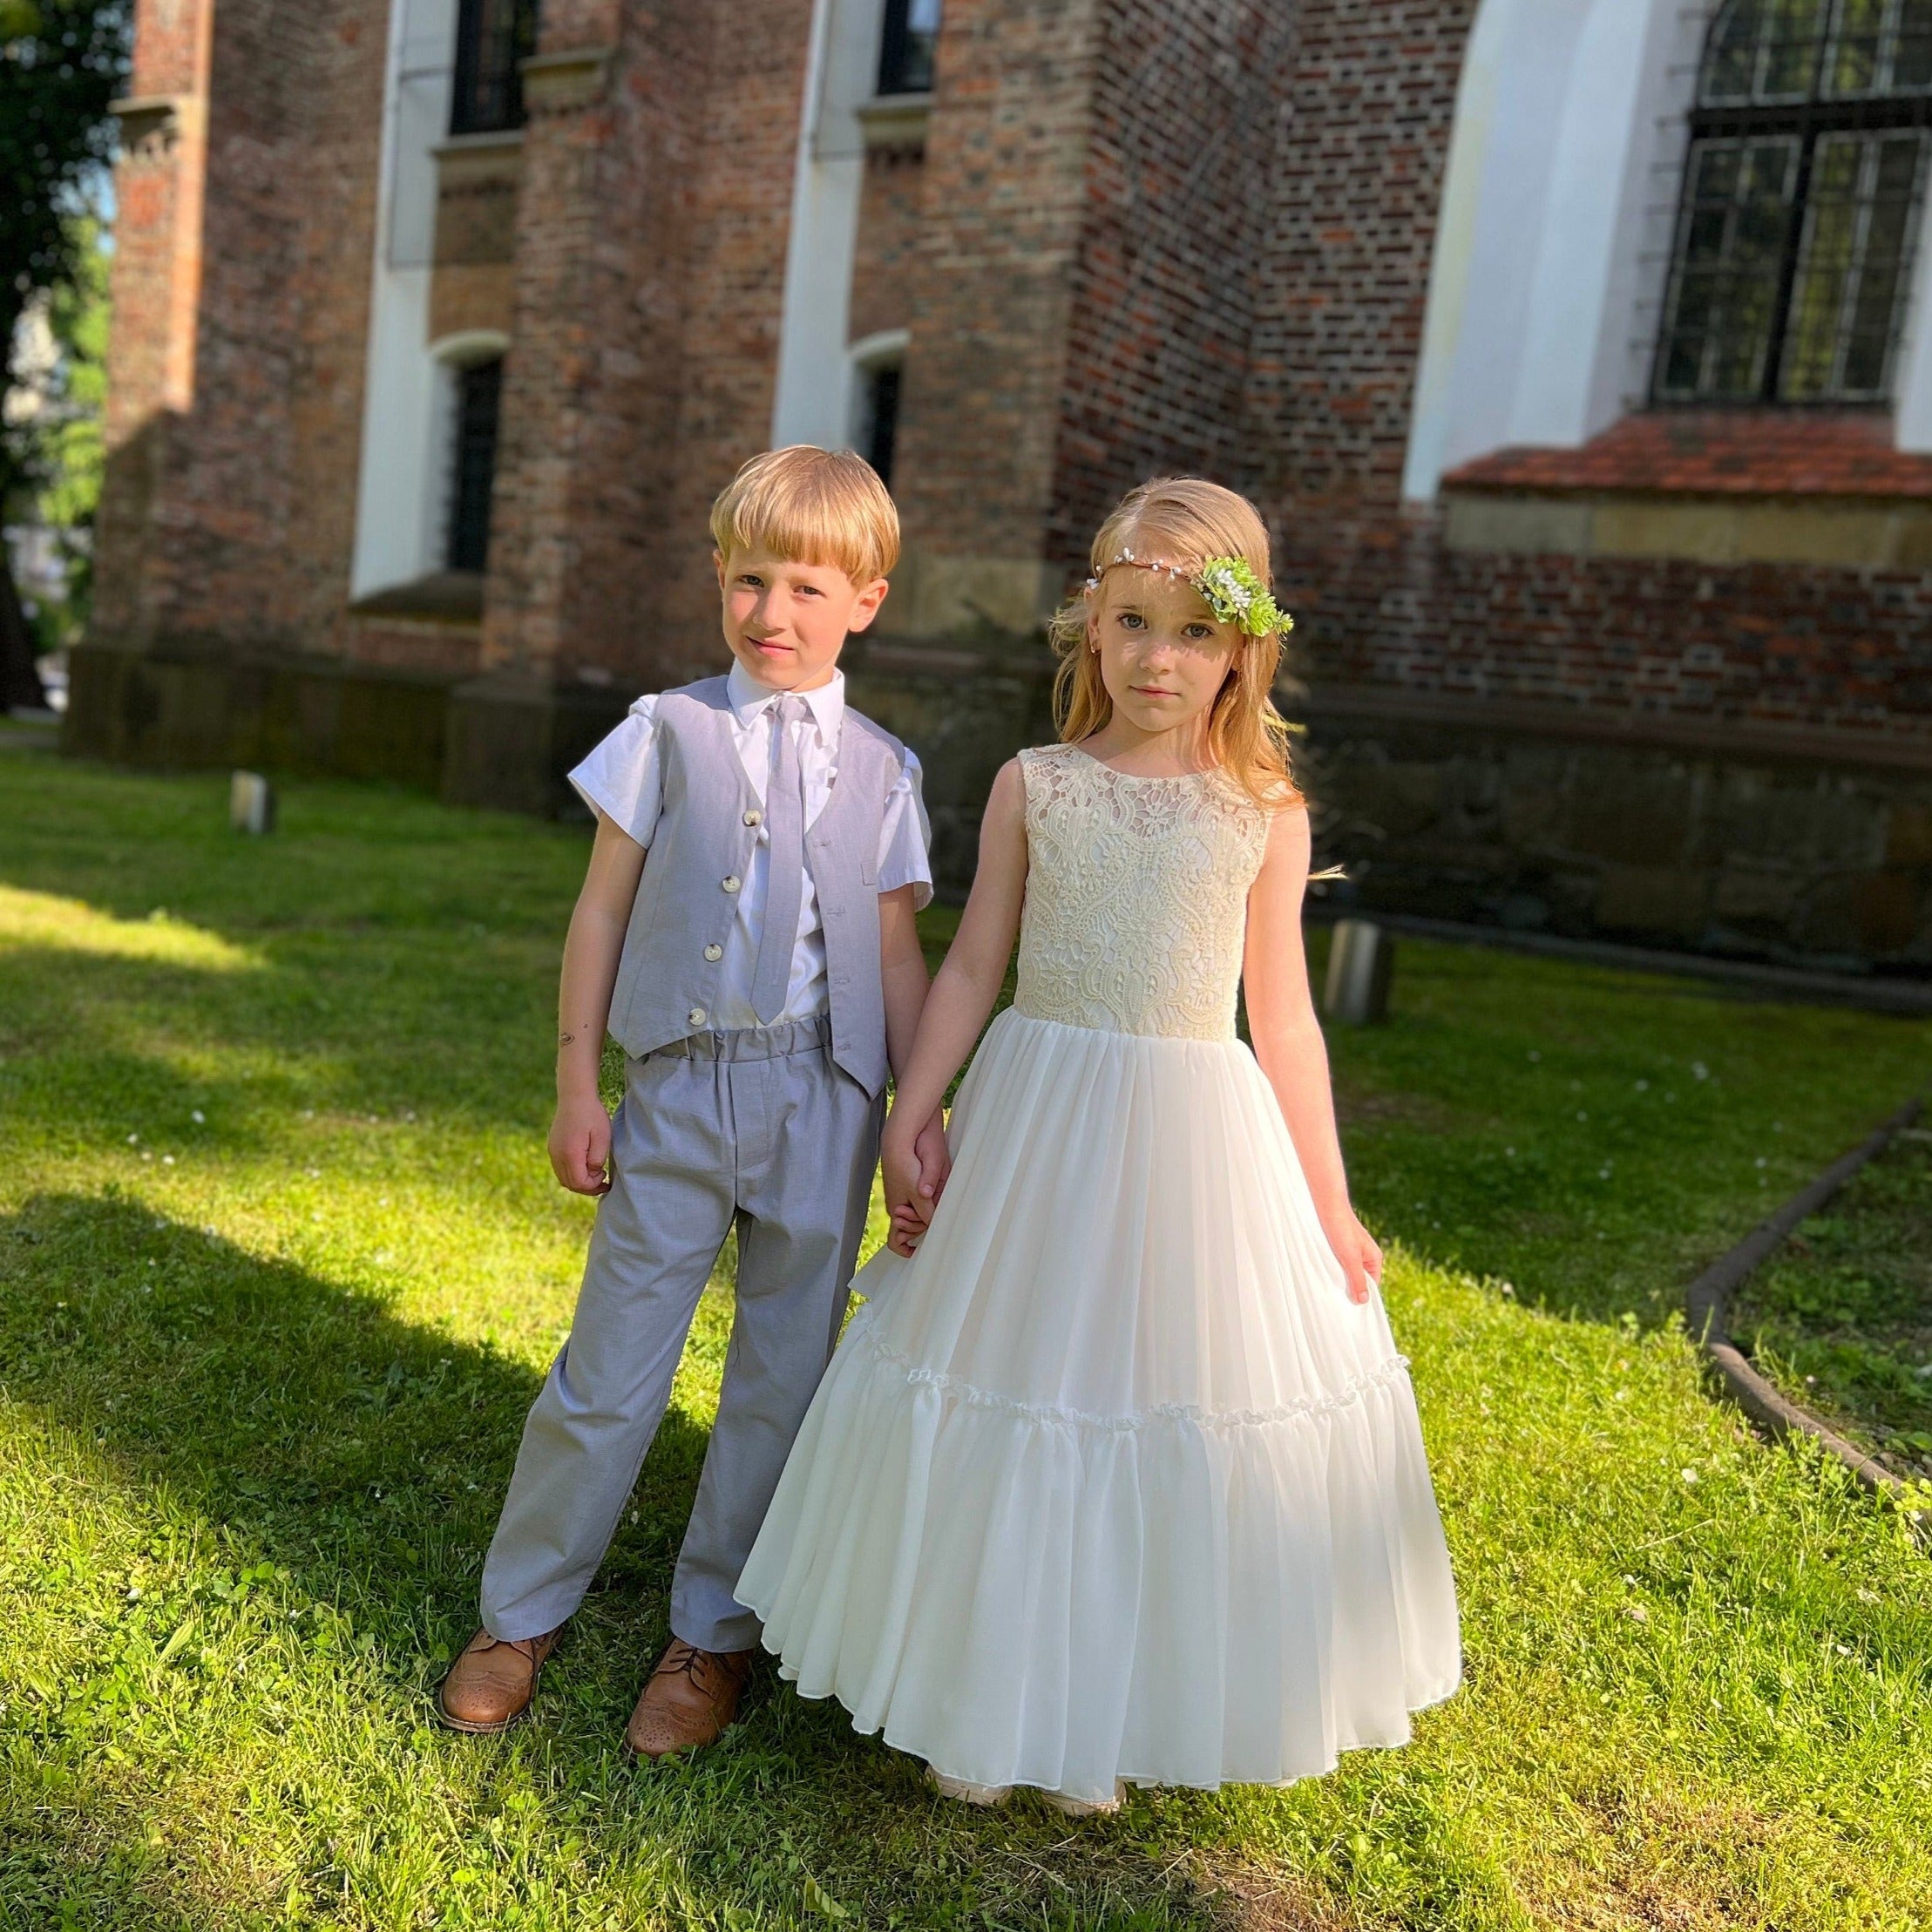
{"type": "Point", "coordinates": [244, 1473]}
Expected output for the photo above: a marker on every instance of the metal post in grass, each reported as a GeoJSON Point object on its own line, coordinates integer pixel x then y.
{"type": "Point", "coordinates": [251, 803]}
{"type": "Point", "coordinates": [1361, 962]}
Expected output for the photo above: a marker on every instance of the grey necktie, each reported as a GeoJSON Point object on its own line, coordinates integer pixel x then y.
{"type": "Point", "coordinates": [784, 864]}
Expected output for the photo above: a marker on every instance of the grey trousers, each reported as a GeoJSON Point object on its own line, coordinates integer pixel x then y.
{"type": "Point", "coordinates": [759, 1127]}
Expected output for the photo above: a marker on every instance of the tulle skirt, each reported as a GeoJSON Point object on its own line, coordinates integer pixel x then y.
{"type": "Point", "coordinates": [1111, 1480]}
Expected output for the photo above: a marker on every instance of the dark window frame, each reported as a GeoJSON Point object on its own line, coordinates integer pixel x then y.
{"type": "Point", "coordinates": [906, 51]}
{"type": "Point", "coordinates": [1807, 121]}
{"type": "Point", "coordinates": [476, 415]}
{"type": "Point", "coordinates": [880, 421]}
{"type": "Point", "coordinates": [493, 39]}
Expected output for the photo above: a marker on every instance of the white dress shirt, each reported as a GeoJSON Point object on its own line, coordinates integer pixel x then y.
{"type": "Point", "coordinates": [621, 779]}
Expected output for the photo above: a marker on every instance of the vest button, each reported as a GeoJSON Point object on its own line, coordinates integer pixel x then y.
{"type": "Point", "coordinates": [696, 1016]}
{"type": "Point", "coordinates": [731, 882]}
{"type": "Point", "coordinates": [714, 951]}
{"type": "Point", "coordinates": [754, 818]}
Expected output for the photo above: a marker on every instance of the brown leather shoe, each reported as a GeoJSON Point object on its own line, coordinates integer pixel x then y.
{"type": "Point", "coordinates": [690, 1702]}
{"type": "Point", "coordinates": [491, 1685]}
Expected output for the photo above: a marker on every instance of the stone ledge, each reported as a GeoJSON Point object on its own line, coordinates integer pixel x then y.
{"type": "Point", "coordinates": [154, 123]}
{"type": "Point", "coordinates": [1742, 453]}
{"type": "Point", "coordinates": [490, 141]}
{"type": "Point", "coordinates": [572, 78]}
{"type": "Point", "coordinates": [1714, 736]}
{"type": "Point", "coordinates": [443, 597]}
{"type": "Point", "coordinates": [1844, 533]}
{"type": "Point", "coordinates": [894, 120]}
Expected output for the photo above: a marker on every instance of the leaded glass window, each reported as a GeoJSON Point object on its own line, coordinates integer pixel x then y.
{"type": "Point", "coordinates": [1802, 201]}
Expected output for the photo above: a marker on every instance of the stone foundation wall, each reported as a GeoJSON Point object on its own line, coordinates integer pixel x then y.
{"type": "Point", "coordinates": [505, 743]}
{"type": "Point", "coordinates": [1799, 860]}
{"type": "Point", "coordinates": [260, 711]}
{"type": "Point", "coordinates": [1794, 860]}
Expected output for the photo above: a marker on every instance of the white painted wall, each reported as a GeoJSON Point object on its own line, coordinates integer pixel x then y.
{"type": "Point", "coordinates": [1912, 383]}
{"type": "Point", "coordinates": [399, 492]}
{"type": "Point", "coordinates": [813, 402]}
{"type": "Point", "coordinates": [1549, 257]}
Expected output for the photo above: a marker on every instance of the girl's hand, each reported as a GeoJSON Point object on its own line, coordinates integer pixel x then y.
{"type": "Point", "coordinates": [581, 1144]}
{"type": "Point", "coordinates": [1356, 1249]}
{"type": "Point", "coordinates": [910, 1209]}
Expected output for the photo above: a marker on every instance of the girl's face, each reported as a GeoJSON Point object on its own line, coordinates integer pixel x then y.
{"type": "Point", "coordinates": [1163, 654]}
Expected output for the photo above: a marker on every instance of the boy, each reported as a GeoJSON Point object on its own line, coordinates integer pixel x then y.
{"type": "Point", "coordinates": [761, 970]}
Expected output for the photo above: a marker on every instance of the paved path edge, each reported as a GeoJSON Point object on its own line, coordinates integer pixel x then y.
{"type": "Point", "coordinates": [1707, 1307]}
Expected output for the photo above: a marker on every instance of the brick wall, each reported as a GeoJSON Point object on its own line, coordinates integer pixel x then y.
{"type": "Point", "coordinates": [1759, 644]}
{"type": "Point", "coordinates": [595, 358]}
{"type": "Point", "coordinates": [733, 296]}
{"type": "Point", "coordinates": [991, 289]}
{"type": "Point", "coordinates": [1357, 185]}
{"type": "Point", "coordinates": [652, 229]}
{"type": "Point", "coordinates": [1189, 108]}
{"type": "Point", "coordinates": [229, 511]}
{"type": "Point", "coordinates": [891, 220]}
{"type": "Point", "coordinates": [1142, 237]}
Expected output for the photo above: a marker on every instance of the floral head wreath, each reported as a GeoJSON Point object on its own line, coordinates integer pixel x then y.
{"type": "Point", "coordinates": [1228, 586]}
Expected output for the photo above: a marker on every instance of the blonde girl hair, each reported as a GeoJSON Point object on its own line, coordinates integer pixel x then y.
{"type": "Point", "coordinates": [1183, 521]}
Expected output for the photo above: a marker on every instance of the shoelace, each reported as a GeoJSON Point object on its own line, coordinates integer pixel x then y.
{"type": "Point", "coordinates": [695, 1665]}
{"type": "Point", "coordinates": [526, 1647]}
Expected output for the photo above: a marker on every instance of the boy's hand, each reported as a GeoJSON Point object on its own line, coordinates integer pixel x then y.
{"type": "Point", "coordinates": [581, 1144]}
{"type": "Point", "coordinates": [935, 1160]}
{"type": "Point", "coordinates": [909, 1209]}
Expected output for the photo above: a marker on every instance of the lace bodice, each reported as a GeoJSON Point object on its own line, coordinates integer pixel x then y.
{"type": "Point", "coordinates": [1136, 897]}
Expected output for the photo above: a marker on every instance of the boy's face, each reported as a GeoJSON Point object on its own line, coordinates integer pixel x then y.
{"type": "Point", "coordinates": [786, 621]}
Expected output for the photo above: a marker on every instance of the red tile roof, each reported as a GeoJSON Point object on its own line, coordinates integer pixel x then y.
{"type": "Point", "coordinates": [1717, 452]}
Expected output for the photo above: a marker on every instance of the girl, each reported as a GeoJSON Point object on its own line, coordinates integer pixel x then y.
{"type": "Point", "coordinates": [1117, 1474]}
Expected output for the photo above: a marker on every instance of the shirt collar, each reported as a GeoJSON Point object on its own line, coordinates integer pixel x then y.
{"type": "Point", "coordinates": [827, 704]}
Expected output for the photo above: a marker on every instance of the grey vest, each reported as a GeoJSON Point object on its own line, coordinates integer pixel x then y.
{"type": "Point", "coordinates": [700, 851]}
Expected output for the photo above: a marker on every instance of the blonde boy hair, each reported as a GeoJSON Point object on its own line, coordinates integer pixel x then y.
{"type": "Point", "coordinates": [811, 507]}
{"type": "Point", "coordinates": [1184, 521]}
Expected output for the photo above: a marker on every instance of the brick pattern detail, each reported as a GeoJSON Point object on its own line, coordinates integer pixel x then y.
{"type": "Point", "coordinates": [1760, 643]}
{"type": "Point", "coordinates": [1356, 191]}
{"type": "Point", "coordinates": [1701, 452]}
{"type": "Point", "coordinates": [229, 506]}
{"type": "Point", "coordinates": [991, 289]}
{"type": "Point", "coordinates": [891, 219]}
{"type": "Point", "coordinates": [1189, 110]}
{"type": "Point", "coordinates": [650, 267]}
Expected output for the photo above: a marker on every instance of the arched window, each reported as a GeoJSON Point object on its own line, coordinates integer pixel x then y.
{"type": "Point", "coordinates": [1800, 203]}
{"type": "Point", "coordinates": [876, 365]}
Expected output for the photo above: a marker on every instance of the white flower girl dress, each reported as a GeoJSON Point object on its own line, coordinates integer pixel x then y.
{"type": "Point", "coordinates": [1111, 1480]}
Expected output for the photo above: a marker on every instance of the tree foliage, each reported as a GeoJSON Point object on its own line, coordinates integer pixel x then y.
{"type": "Point", "coordinates": [56, 452]}
{"type": "Point", "coordinates": [61, 62]}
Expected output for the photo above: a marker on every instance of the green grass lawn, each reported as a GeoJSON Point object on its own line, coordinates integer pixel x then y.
{"type": "Point", "coordinates": [1842, 1318]}
{"type": "Point", "coordinates": [281, 1264]}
